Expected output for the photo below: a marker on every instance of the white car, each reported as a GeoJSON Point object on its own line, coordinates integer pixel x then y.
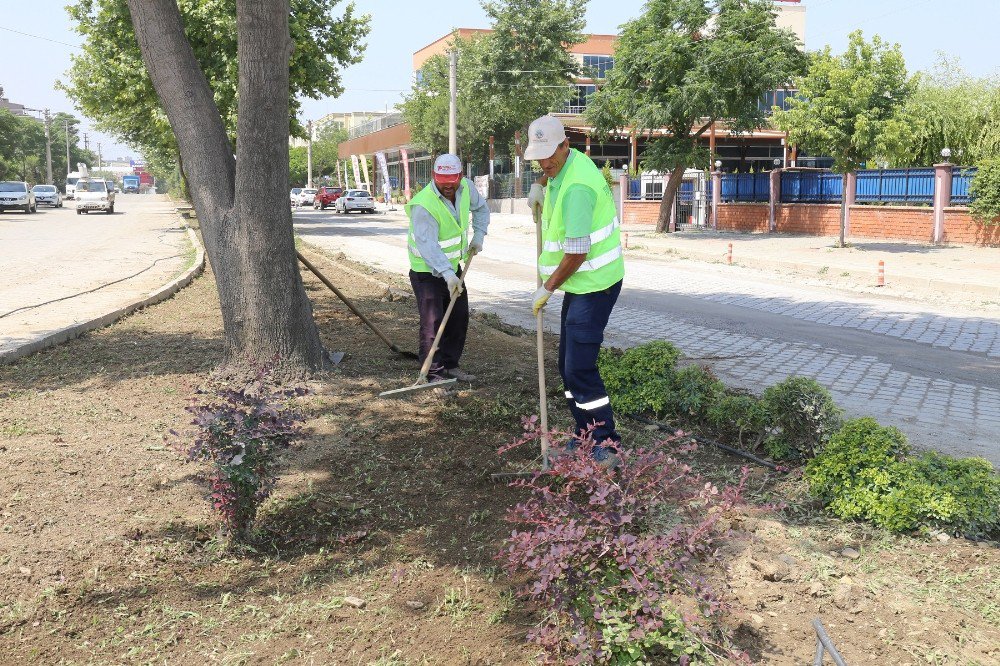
{"type": "Point", "coordinates": [93, 194]}
{"type": "Point", "coordinates": [293, 195]}
{"type": "Point", "coordinates": [16, 194]}
{"type": "Point", "coordinates": [48, 194]}
{"type": "Point", "coordinates": [355, 200]}
{"type": "Point", "coordinates": [307, 195]}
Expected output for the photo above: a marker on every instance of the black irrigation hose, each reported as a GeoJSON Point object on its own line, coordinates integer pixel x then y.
{"type": "Point", "coordinates": [702, 440]}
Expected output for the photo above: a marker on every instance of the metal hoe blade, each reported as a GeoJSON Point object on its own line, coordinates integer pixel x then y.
{"type": "Point", "coordinates": [419, 386]}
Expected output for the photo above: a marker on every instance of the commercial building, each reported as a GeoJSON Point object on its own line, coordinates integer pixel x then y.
{"type": "Point", "coordinates": [753, 151]}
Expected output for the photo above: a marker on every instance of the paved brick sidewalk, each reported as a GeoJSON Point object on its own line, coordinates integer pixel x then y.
{"type": "Point", "coordinates": [930, 370]}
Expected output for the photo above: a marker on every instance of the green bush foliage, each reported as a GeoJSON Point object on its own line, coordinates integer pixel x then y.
{"type": "Point", "coordinates": [985, 191]}
{"type": "Point", "coordinates": [739, 418]}
{"type": "Point", "coordinates": [638, 380]}
{"type": "Point", "coordinates": [693, 391]}
{"type": "Point", "coordinates": [866, 472]}
{"type": "Point", "coordinates": [802, 417]}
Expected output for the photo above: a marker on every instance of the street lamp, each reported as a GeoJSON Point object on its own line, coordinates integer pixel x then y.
{"type": "Point", "coordinates": [946, 154]}
{"type": "Point", "coordinates": [718, 164]}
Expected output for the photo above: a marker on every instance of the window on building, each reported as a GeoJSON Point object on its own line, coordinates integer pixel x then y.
{"type": "Point", "coordinates": [578, 102]}
{"type": "Point", "coordinates": [775, 98]}
{"type": "Point", "coordinates": [597, 66]}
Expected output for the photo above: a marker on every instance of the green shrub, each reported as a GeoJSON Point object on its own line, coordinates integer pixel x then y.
{"type": "Point", "coordinates": [693, 391]}
{"type": "Point", "coordinates": [865, 472]}
{"type": "Point", "coordinates": [985, 192]}
{"type": "Point", "coordinates": [802, 415]}
{"type": "Point", "coordinates": [740, 418]}
{"type": "Point", "coordinates": [638, 380]}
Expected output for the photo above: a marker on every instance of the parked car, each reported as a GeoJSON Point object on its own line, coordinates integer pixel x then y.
{"type": "Point", "coordinates": [355, 200]}
{"type": "Point", "coordinates": [17, 194]}
{"type": "Point", "coordinates": [48, 195]}
{"type": "Point", "coordinates": [306, 196]}
{"type": "Point", "coordinates": [293, 195]}
{"type": "Point", "coordinates": [326, 196]}
{"type": "Point", "coordinates": [93, 194]}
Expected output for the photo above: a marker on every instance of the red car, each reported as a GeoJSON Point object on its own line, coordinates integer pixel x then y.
{"type": "Point", "coordinates": [325, 196]}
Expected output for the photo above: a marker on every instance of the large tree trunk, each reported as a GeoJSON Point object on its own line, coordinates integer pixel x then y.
{"type": "Point", "coordinates": [242, 202]}
{"type": "Point", "coordinates": [669, 195]}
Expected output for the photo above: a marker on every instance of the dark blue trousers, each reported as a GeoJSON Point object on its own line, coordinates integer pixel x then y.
{"type": "Point", "coordinates": [584, 318]}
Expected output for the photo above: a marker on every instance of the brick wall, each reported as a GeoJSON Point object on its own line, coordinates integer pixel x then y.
{"type": "Point", "coordinates": [748, 218]}
{"type": "Point", "coordinates": [961, 227]}
{"type": "Point", "coordinates": [641, 212]}
{"type": "Point", "coordinates": [894, 222]}
{"type": "Point", "coordinates": [808, 219]}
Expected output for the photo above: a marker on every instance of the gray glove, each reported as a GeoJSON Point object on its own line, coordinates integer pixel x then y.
{"type": "Point", "coordinates": [476, 246]}
{"type": "Point", "coordinates": [454, 284]}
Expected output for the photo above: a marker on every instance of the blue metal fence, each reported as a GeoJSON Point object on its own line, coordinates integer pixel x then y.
{"type": "Point", "coordinates": [746, 187]}
{"type": "Point", "coordinates": [811, 187]}
{"type": "Point", "coordinates": [686, 194]}
{"type": "Point", "coordinates": [896, 186]}
{"type": "Point", "coordinates": [961, 178]}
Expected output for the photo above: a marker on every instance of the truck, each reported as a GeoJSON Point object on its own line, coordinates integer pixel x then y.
{"type": "Point", "coordinates": [130, 184]}
{"type": "Point", "coordinates": [72, 177]}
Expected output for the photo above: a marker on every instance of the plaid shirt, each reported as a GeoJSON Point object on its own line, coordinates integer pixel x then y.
{"type": "Point", "coordinates": [579, 245]}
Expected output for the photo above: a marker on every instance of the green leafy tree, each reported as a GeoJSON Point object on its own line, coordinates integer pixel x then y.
{"type": "Point", "coordinates": [946, 108]}
{"type": "Point", "coordinates": [506, 78]}
{"type": "Point", "coordinates": [847, 103]}
{"type": "Point", "coordinates": [110, 84]}
{"type": "Point", "coordinates": [685, 64]}
{"type": "Point", "coordinates": [240, 191]}
{"type": "Point", "coordinates": [324, 157]}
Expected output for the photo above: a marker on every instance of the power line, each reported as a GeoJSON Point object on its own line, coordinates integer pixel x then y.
{"type": "Point", "coordinates": [47, 39]}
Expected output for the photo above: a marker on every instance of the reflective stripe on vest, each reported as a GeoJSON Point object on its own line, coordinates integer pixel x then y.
{"type": "Point", "coordinates": [604, 264]}
{"type": "Point", "coordinates": [452, 238]}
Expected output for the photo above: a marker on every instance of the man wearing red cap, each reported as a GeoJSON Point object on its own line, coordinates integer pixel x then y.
{"type": "Point", "coordinates": [582, 255]}
{"type": "Point", "coordinates": [438, 241]}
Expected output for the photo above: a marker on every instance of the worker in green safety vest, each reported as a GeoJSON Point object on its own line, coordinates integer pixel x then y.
{"type": "Point", "coordinates": [582, 256]}
{"type": "Point", "coordinates": [438, 241]}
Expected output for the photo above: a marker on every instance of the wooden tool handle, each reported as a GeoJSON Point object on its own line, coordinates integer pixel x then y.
{"type": "Point", "coordinates": [543, 402]}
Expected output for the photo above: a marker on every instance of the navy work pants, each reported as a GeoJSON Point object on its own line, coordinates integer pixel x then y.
{"type": "Point", "coordinates": [432, 300]}
{"type": "Point", "coordinates": [584, 318]}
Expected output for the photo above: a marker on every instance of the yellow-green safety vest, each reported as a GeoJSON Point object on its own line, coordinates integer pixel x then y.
{"type": "Point", "coordinates": [452, 234]}
{"type": "Point", "coordinates": [605, 264]}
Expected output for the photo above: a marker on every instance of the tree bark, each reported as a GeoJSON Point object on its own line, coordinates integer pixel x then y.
{"type": "Point", "coordinates": [242, 201]}
{"type": "Point", "coordinates": [669, 194]}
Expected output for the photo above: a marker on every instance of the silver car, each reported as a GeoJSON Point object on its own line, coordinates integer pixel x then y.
{"type": "Point", "coordinates": [17, 194]}
{"type": "Point", "coordinates": [48, 195]}
{"type": "Point", "coordinates": [355, 200]}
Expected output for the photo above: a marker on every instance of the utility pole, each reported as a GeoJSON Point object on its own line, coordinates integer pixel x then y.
{"type": "Point", "coordinates": [309, 154]}
{"type": "Point", "coordinates": [453, 106]}
{"type": "Point", "coordinates": [86, 142]}
{"type": "Point", "coordinates": [69, 167]}
{"type": "Point", "coordinates": [48, 147]}
{"type": "Point", "coordinates": [99, 164]}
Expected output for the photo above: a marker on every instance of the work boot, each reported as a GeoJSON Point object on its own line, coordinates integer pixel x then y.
{"type": "Point", "coordinates": [459, 374]}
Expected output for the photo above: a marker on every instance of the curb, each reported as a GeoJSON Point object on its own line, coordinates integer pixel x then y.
{"type": "Point", "coordinates": [76, 330]}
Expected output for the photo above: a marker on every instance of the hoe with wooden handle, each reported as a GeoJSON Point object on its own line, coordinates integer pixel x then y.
{"type": "Point", "coordinates": [422, 382]}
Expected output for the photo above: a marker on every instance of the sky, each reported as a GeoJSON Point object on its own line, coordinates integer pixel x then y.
{"type": "Point", "coordinates": [965, 29]}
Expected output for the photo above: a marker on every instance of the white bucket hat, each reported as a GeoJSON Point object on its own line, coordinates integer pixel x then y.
{"type": "Point", "coordinates": [545, 134]}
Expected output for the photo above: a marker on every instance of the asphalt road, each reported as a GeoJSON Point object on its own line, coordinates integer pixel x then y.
{"type": "Point", "coordinates": [60, 268]}
{"type": "Point", "coordinates": [932, 371]}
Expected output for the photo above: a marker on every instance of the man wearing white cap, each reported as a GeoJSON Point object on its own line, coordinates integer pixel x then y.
{"type": "Point", "coordinates": [582, 255]}
{"type": "Point", "coordinates": [438, 241]}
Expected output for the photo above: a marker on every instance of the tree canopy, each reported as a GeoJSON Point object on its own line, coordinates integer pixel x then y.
{"type": "Point", "coordinates": [847, 103]}
{"type": "Point", "coordinates": [506, 78]}
{"type": "Point", "coordinates": [110, 84]}
{"type": "Point", "coordinates": [685, 64]}
{"type": "Point", "coordinates": [22, 148]}
{"type": "Point", "coordinates": [324, 157]}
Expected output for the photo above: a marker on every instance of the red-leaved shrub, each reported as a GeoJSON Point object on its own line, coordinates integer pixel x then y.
{"type": "Point", "coordinates": [614, 559]}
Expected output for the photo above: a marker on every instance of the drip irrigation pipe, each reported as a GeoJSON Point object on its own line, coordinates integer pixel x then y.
{"type": "Point", "coordinates": [703, 440]}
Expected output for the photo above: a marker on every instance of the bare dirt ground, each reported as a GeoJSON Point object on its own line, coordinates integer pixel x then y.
{"type": "Point", "coordinates": [109, 552]}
